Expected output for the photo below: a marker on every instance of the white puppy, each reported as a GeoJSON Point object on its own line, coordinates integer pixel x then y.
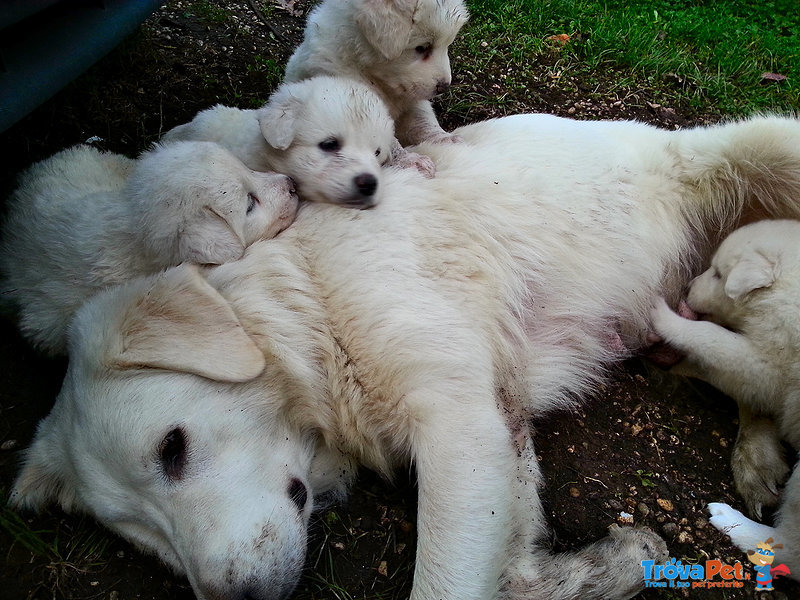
{"type": "Point", "coordinates": [398, 47]}
{"type": "Point", "coordinates": [83, 219]}
{"type": "Point", "coordinates": [748, 346]}
{"type": "Point", "coordinates": [403, 334]}
{"type": "Point", "coordinates": [330, 134]}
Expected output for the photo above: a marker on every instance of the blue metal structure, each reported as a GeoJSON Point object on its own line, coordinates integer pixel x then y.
{"type": "Point", "coordinates": [45, 44]}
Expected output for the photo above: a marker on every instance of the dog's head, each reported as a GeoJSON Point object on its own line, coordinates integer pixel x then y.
{"type": "Point", "coordinates": [331, 135]}
{"type": "Point", "coordinates": [748, 262]}
{"type": "Point", "coordinates": [198, 203]}
{"type": "Point", "coordinates": [409, 41]}
{"type": "Point", "coordinates": [165, 433]}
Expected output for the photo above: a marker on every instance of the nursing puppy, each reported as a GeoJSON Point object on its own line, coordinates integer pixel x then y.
{"type": "Point", "coordinates": [82, 220]}
{"type": "Point", "coordinates": [397, 47]}
{"type": "Point", "coordinates": [331, 135]}
{"type": "Point", "coordinates": [403, 334]}
{"type": "Point", "coordinates": [748, 346]}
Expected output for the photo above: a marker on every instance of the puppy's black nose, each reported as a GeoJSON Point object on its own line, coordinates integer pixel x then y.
{"type": "Point", "coordinates": [442, 87]}
{"type": "Point", "coordinates": [366, 184]}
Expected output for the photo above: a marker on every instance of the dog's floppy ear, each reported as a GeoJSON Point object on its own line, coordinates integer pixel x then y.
{"type": "Point", "coordinates": [180, 323]}
{"type": "Point", "coordinates": [386, 24]}
{"type": "Point", "coordinates": [208, 238]}
{"type": "Point", "coordinates": [41, 480]}
{"type": "Point", "coordinates": [277, 119]}
{"type": "Point", "coordinates": [751, 272]}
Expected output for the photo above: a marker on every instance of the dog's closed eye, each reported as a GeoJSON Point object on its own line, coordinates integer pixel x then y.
{"type": "Point", "coordinates": [172, 454]}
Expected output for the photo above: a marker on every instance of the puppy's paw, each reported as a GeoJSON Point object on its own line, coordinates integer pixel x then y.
{"type": "Point", "coordinates": [412, 160]}
{"type": "Point", "coordinates": [759, 466]}
{"type": "Point", "coordinates": [663, 318]}
{"type": "Point", "coordinates": [743, 532]}
{"type": "Point", "coordinates": [667, 326]}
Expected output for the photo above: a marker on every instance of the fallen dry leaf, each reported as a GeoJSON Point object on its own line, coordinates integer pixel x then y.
{"type": "Point", "coordinates": [772, 78]}
{"type": "Point", "coordinates": [561, 38]}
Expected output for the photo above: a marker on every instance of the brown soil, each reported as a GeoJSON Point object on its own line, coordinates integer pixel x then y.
{"type": "Point", "coordinates": [646, 446]}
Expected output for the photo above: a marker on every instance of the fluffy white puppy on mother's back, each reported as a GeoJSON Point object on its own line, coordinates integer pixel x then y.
{"type": "Point", "coordinates": [747, 345]}
{"type": "Point", "coordinates": [330, 134]}
{"type": "Point", "coordinates": [397, 47]}
{"type": "Point", "coordinates": [83, 219]}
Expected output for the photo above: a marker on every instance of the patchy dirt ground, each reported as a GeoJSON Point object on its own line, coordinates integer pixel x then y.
{"type": "Point", "coordinates": [647, 446]}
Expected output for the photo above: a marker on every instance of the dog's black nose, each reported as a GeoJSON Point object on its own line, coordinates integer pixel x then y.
{"type": "Point", "coordinates": [366, 184]}
{"type": "Point", "coordinates": [442, 87]}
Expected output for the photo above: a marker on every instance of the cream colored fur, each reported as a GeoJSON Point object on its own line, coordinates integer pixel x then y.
{"type": "Point", "coordinates": [82, 220]}
{"type": "Point", "coordinates": [748, 346]}
{"type": "Point", "coordinates": [397, 47]}
{"type": "Point", "coordinates": [293, 134]}
{"type": "Point", "coordinates": [400, 335]}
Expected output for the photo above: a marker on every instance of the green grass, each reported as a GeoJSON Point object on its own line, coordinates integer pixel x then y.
{"type": "Point", "coordinates": [212, 13]}
{"type": "Point", "coordinates": [715, 50]}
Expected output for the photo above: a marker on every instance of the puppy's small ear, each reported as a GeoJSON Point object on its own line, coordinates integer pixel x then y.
{"type": "Point", "coordinates": [752, 272]}
{"type": "Point", "coordinates": [386, 24]}
{"type": "Point", "coordinates": [277, 119]}
{"type": "Point", "coordinates": [41, 480]}
{"type": "Point", "coordinates": [208, 238]}
{"type": "Point", "coordinates": [181, 323]}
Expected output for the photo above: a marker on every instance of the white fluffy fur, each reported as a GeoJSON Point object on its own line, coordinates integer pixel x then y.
{"type": "Point", "coordinates": [83, 219]}
{"type": "Point", "coordinates": [398, 47]}
{"type": "Point", "coordinates": [403, 334]}
{"type": "Point", "coordinates": [287, 133]}
{"type": "Point", "coordinates": [748, 346]}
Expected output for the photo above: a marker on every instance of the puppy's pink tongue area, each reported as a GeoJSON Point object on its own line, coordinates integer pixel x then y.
{"type": "Point", "coordinates": [686, 312]}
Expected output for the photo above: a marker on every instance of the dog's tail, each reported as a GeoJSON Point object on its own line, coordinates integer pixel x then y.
{"type": "Point", "coordinates": [742, 171]}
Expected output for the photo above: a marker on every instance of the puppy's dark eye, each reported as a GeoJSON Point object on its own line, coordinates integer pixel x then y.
{"type": "Point", "coordinates": [330, 145]}
{"type": "Point", "coordinates": [424, 50]}
{"type": "Point", "coordinates": [252, 202]}
{"type": "Point", "coordinates": [378, 152]}
{"type": "Point", "coordinates": [172, 454]}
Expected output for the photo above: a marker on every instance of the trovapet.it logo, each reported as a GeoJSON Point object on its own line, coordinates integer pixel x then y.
{"type": "Point", "coordinates": [711, 574]}
{"type": "Point", "coordinates": [714, 573]}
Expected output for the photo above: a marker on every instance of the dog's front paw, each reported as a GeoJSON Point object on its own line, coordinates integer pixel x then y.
{"type": "Point", "coordinates": [609, 569]}
{"type": "Point", "coordinates": [412, 160]}
{"type": "Point", "coordinates": [637, 543]}
{"type": "Point", "coordinates": [759, 466]}
{"type": "Point", "coordinates": [622, 555]}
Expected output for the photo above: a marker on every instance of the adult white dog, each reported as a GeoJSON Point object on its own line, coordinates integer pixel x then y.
{"type": "Point", "coordinates": [330, 134]}
{"type": "Point", "coordinates": [204, 412]}
{"type": "Point", "coordinates": [748, 346]}
{"type": "Point", "coordinates": [397, 47]}
{"type": "Point", "coordinates": [82, 220]}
